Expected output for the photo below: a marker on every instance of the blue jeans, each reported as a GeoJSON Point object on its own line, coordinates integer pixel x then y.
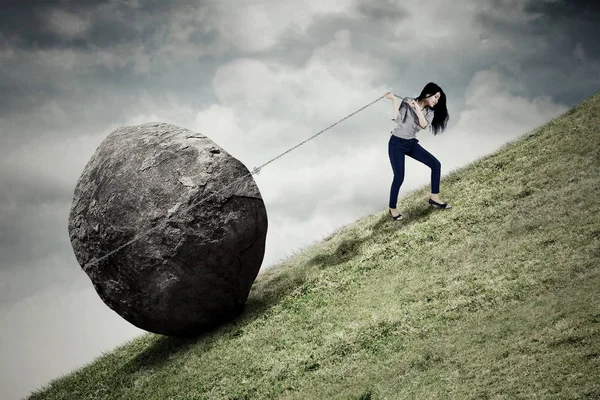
{"type": "Point", "coordinates": [397, 149]}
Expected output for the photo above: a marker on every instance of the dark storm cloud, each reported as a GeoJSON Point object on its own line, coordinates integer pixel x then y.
{"type": "Point", "coordinates": [371, 26]}
{"type": "Point", "coordinates": [378, 10]}
{"type": "Point", "coordinates": [570, 22]}
{"type": "Point", "coordinates": [580, 10]}
{"type": "Point", "coordinates": [117, 30]}
{"type": "Point", "coordinates": [24, 23]}
{"type": "Point", "coordinates": [558, 44]}
{"type": "Point", "coordinates": [562, 23]}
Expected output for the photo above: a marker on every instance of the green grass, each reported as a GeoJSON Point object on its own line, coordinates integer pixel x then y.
{"type": "Point", "coordinates": [497, 298]}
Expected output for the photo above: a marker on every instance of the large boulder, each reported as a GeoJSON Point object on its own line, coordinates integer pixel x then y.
{"type": "Point", "coordinates": [169, 227]}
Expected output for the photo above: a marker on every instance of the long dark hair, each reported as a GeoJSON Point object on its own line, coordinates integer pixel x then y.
{"type": "Point", "coordinates": [440, 116]}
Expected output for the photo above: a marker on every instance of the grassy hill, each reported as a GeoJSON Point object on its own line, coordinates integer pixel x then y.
{"type": "Point", "coordinates": [498, 297]}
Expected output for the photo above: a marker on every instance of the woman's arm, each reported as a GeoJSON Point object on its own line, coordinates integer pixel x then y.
{"type": "Point", "coordinates": [422, 120]}
{"type": "Point", "coordinates": [395, 107]}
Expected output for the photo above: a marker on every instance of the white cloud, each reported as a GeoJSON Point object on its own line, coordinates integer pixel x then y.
{"type": "Point", "coordinates": [494, 110]}
{"type": "Point", "coordinates": [276, 106]}
{"type": "Point", "coordinates": [218, 123]}
{"type": "Point", "coordinates": [493, 116]}
{"type": "Point", "coordinates": [66, 24]}
{"type": "Point", "coordinates": [252, 28]}
{"type": "Point", "coordinates": [333, 80]}
{"type": "Point", "coordinates": [245, 80]}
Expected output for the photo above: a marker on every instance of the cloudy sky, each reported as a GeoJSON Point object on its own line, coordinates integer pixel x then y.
{"type": "Point", "coordinates": [257, 77]}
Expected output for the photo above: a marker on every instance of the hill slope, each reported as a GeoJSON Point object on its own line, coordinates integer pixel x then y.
{"type": "Point", "coordinates": [498, 297]}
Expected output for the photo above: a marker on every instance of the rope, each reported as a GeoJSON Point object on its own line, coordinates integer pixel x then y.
{"type": "Point", "coordinates": [255, 171]}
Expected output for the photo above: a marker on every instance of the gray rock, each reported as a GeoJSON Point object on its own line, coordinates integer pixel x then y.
{"type": "Point", "coordinates": [195, 219]}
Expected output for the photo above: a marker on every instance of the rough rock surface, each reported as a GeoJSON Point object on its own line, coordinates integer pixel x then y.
{"type": "Point", "coordinates": [199, 220]}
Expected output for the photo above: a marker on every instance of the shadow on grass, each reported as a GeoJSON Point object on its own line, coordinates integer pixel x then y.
{"type": "Point", "coordinates": [266, 293]}
{"type": "Point", "coordinates": [346, 250]}
{"type": "Point", "coordinates": [414, 213]}
{"type": "Point", "coordinates": [165, 347]}
{"type": "Point", "coordinates": [350, 247]}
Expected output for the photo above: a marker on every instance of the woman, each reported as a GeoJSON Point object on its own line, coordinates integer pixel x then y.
{"type": "Point", "coordinates": [427, 110]}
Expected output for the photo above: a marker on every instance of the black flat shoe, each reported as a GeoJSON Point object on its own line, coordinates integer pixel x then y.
{"type": "Point", "coordinates": [397, 217]}
{"type": "Point", "coordinates": [438, 205]}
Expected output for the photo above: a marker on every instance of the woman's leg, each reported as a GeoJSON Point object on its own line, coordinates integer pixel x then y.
{"type": "Point", "coordinates": [420, 154]}
{"type": "Point", "coordinates": [396, 154]}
